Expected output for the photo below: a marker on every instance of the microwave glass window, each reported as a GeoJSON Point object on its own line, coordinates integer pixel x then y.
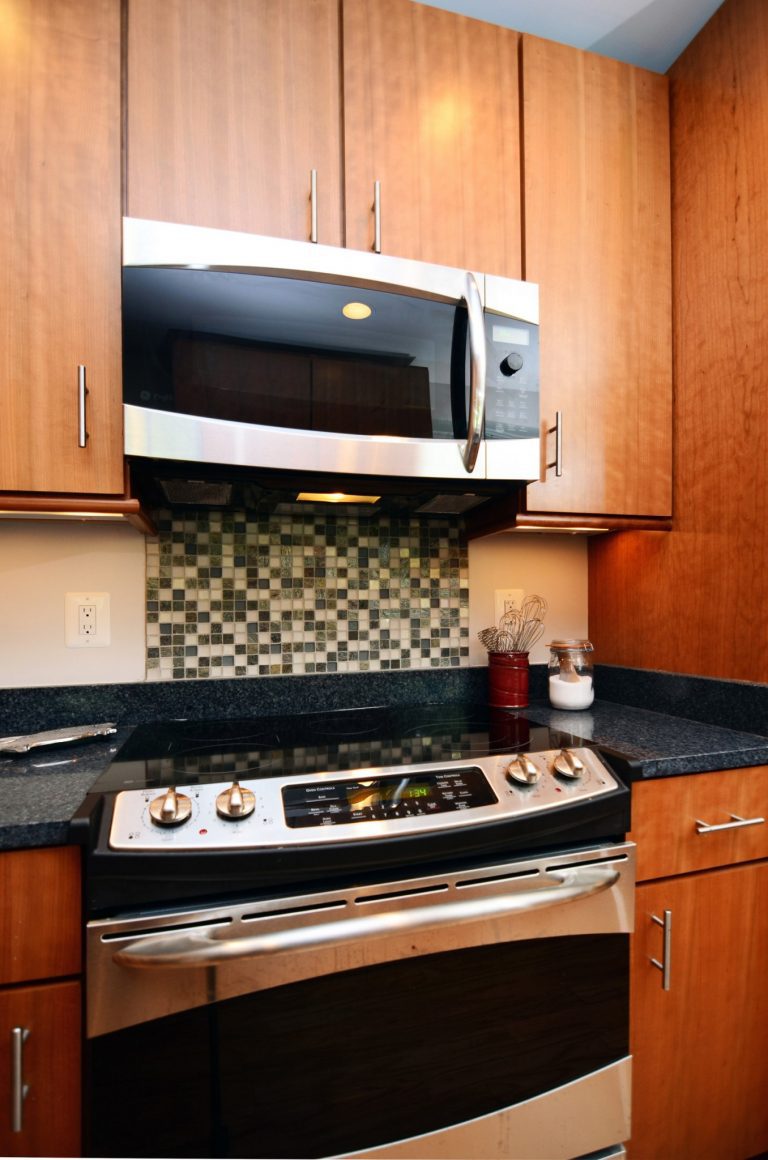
{"type": "Point", "coordinates": [315, 356]}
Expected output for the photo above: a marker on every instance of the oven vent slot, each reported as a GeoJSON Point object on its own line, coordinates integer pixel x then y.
{"type": "Point", "coordinates": [390, 897]}
{"type": "Point", "coordinates": [306, 909]}
{"type": "Point", "coordinates": [494, 878]}
{"type": "Point", "coordinates": [587, 862]}
{"type": "Point", "coordinates": [146, 933]}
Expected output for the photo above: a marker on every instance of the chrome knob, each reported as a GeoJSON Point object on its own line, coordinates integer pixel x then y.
{"type": "Point", "coordinates": [522, 769]}
{"type": "Point", "coordinates": [235, 802]}
{"type": "Point", "coordinates": [567, 764]}
{"type": "Point", "coordinates": [171, 809]}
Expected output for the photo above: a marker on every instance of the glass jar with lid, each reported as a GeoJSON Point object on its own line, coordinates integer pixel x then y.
{"type": "Point", "coordinates": [570, 673]}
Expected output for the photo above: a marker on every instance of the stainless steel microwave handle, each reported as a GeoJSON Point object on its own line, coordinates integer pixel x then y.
{"type": "Point", "coordinates": [477, 361]}
{"type": "Point", "coordinates": [206, 947]}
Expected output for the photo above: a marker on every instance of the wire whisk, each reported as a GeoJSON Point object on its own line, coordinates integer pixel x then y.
{"type": "Point", "coordinates": [519, 628]}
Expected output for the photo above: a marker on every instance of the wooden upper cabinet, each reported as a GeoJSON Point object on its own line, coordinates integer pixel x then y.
{"type": "Point", "coordinates": [60, 241]}
{"type": "Point", "coordinates": [597, 240]}
{"type": "Point", "coordinates": [230, 105]}
{"type": "Point", "coordinates": [431, 112]}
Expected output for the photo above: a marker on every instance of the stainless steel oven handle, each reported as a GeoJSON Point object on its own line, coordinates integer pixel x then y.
{"type": "Point", "coordinates": [477, 361]}
{"type": "Point", "coordinates": [207, 947]}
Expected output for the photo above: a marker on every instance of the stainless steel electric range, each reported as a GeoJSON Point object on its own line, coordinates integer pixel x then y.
{"type": "Point", "coordinates": [397, 932]}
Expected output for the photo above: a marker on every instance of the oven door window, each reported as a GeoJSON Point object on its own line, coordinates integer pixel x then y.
{"type": "Point", "coordinates": [358, 1059]}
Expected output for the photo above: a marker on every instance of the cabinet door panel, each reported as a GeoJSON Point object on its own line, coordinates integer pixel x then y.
{"type": "Point", "coordinates": [700, 1070]}
{"type": "Point", "coordinates": [597, 240]}
{"type": "Point", "coordinates": [39, 913]}
{"type": "Point", "coordinates": [60, 240]}
{"type": "Point", "coordinates": [665, 814]}
{"type": "Point", "coordinates": [431, 111]}
{"type": "Point", "coordinates": [50, 1123]}
{"type": "Point", "coordinates": [231, 104]}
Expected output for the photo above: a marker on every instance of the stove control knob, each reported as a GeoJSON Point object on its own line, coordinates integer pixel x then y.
{"type": "Point", "coordinates": [172, 809]}
{"type": "Point", "coordinates": [522, 769]}
{"type": "Point", "coordinates": [568, 764]}
{"type": "Point", "coordinates": [235, 802]}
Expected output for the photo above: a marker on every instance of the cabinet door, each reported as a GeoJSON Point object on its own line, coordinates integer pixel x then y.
{"type": "Point", "coordinates": [597, 240]}
{"type": "Point", "coordinates": [40, 927]}
{"type": "Point", "coordinates": [49, 1068]}
{"type": "Point", "coordinates": [700, 1066]}
{"type": "Point", "coordinates": [60, 240]}
{"type": "Point", "coordinates": [231, 104]}
{"type": "Point", "coordinates": [431, 112]}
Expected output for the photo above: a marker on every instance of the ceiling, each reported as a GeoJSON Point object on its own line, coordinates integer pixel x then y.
{"type": "Point", "coordinates": [649, 33]}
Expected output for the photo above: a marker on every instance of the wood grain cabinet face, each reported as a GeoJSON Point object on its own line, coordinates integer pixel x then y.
{"type": "Point", "coordinates": [700, 1065]}
{"type": "Point", "coordinates": [60, 240]}
{"type": "Point", "coordinates": [597, 240]}
{"type": "Point", "coordinates": [40, 1024]}
{"type": "Point", "coordinates": [49, 1067]}
{"type": "Point", "coordinates": [431, 111]}
{"type": "Point", "coordinates": [230, 105]}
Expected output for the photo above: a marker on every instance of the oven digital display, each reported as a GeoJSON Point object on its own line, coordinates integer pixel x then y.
{"type": "Point", "coordinates": [381, 798]}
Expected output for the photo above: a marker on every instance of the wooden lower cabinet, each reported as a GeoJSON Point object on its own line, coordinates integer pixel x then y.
{"type": "Point", "coordinates": [700, 1083]}
{"type": "Point", "coordinates": [48, 1016]}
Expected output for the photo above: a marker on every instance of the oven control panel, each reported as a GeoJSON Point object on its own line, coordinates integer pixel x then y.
{"type": "Point", "coordinates": [361, 804]}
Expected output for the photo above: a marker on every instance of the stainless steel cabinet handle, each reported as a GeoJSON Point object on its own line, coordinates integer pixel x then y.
{"type": "Point", "coordinates": [82, 391]}
{"type": "Point", "coordinates": [377, 217]}
{"type": "Point", "coordinates": [19, 1089]}
{"type": "Point", "coordinates": [313, 205]}
{"type": "Point", "coordinates": [476, 416]}
{"type": "Point", "coordinates": [665, 966]}
{"type": "Point", "coordinates": [557, 430]}
{"type": "Point", "coordinates": [736, 823]}
{"type": "Point", "coordinates": [207, 947]}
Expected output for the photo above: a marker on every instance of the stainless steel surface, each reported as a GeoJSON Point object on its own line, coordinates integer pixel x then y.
{"type": "Point", "coordinates": [377, 217]}
{"type": "Point", "coordinates": [170, 809]}
{"type": "Point", "coordinates": [19, 1089]}
{"type": "Point", "coordinates": [119, 997]}
{"type": "Point", "coordinates": [591, 1113]}
{"type": "Point", "coordinates": [24, 742]}
{"type": "Point", "coordinates": [208, 948]}
{"type": "Point", "coordinates": [235, 802]}
{"type": "Point", "coordinates": [313, 205]}
{"type": "Point", "coordinates": [736, 823]}
{"type": "Point", "coordinates": [133, 830]}
{"type": "Point", "coordinates": [82, 392]}
{"type": "Point", "coordinates": [477, 380]}
{"type": "Point", "coordinates": [665, 966]}
{"type": "Point", "coordinates": [557, 430]}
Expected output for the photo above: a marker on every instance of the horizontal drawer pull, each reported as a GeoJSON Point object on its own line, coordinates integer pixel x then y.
{"type": "Point", "coordinates": [736, 823]}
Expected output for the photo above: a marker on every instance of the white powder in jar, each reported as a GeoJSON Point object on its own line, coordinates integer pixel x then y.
{"type": "Point", "coordinates": [574, 693]}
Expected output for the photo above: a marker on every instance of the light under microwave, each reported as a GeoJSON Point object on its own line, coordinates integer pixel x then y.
{"type": "Point", "coordinates": [264, 353]}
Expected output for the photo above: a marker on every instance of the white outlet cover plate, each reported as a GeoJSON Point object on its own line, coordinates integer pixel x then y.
{"type": "Point", "coordinates": [73, 637]}
{"type": "Point", "coordinates": [504, 599]}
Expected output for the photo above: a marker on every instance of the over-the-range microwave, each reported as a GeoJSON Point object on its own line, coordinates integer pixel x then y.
{"type": "Point", "coordinates": [312, 364]}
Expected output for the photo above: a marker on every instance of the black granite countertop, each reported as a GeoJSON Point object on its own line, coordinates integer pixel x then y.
{"type": "Point", "coordinates": [41, 791]}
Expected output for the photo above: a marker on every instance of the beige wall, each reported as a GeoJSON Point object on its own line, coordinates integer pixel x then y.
{"type": "Point", "coordinates": [40, 562]}
{"type": "Point", "coordinates": [551, 566]}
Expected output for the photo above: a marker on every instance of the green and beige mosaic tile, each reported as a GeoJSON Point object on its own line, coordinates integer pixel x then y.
{"type": "Point", "coordinates": [233, 594]}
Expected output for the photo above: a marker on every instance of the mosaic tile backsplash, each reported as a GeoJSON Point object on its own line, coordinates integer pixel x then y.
{"type": "Point", "coordinates": [234, 594]}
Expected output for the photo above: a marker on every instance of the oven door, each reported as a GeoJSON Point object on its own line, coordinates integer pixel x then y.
{"type": "Point", "coordinates": [479, 1014]}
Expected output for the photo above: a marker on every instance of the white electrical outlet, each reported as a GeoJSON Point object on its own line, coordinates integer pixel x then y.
{"type": "Point", "coordinates": [504, 599]}
{"type": "Point", "coordinates": [86, 620]}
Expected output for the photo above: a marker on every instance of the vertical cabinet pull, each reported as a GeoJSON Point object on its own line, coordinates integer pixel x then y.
{"type": "Point", "coordinates": [82, 392]}
{"type": "Point", "coordinates": [665, 966]}
{"type": "Point", "coordinates": [313, 205]}
{"type": "Point", "coordinates": [377, 217]}
{"type": "Point", "coordinates": [557, 431]}
{"type": "Point", "coordinates": [19, 1089]}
